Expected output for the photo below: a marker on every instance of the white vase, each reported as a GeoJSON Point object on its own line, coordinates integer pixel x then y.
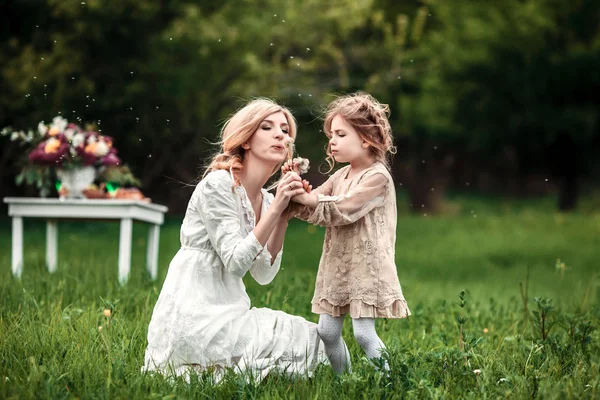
{"type": "Point", "coordinates": [75, 180]}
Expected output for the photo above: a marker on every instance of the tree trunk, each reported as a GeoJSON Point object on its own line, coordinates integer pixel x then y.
{"type": "Point", "coordinates": [564, 162]}
{"type": "Point", "coordinates": [425, 179]}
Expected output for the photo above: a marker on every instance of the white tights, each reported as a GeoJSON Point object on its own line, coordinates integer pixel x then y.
{"type": "Point", "coordinates": [330, 331]}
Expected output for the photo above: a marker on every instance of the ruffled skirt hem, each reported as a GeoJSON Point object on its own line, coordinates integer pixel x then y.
{"type": "Point", "coordinates": [359, 309]}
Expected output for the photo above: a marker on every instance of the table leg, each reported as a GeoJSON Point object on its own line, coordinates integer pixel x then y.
{"type": "Point", "coordinates": [17, 246]}
{"type": "Point", "coordinates": [125, 250]}
{"type": "Point", "coordinates": [51, 245]}
{"type": "Point", "coordinates": [152, 250]}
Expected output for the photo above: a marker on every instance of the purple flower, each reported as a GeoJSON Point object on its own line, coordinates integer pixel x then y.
{"type": "Point", "coordinates": [111, 159]}
{"type": "Point", "coordinates": [49, 155]}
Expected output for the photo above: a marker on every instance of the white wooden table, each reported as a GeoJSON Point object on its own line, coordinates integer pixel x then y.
{"type": "Point", "coordinates": [54, 209]}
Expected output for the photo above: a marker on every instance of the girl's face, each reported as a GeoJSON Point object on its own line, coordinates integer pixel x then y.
{"type": "Point", "coordinates": [268, 143]}
{"type": "Point", "coordinates": [345, 143]}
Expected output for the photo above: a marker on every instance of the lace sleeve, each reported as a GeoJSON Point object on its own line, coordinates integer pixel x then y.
{"type": "Point", "coordinates": [265, 268]}
{"type": "Point", "coordinates": [303, 212]}
{"type": "Point", "coordinates": [368, 194]}
{"type": "Point", "coordinates": [218, 208]}
{"type": "Point", "coordinates": [262, 270]}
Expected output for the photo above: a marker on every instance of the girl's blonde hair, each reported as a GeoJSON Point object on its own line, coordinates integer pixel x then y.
{"type": "Point", "coordinates": [239, 128]}
{"type": "Point", "coordinates": [370, 119]}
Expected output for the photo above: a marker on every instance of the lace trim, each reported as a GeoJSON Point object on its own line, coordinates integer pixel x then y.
{"type": "Point", "coordinates": [360, 309]}
{"type": "Point", "coordinates": [247, 205]}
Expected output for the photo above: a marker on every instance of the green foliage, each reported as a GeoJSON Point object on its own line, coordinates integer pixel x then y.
{"type": "Point", "coordinates": [40, 176]}
{"type": "Point", "coordinates": [120, 175]}
{"type": "Point", "coordinates": [510, 73]}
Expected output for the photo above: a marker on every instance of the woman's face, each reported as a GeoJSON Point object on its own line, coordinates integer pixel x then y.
{"type": "Point", "coordinates": [269, 141]}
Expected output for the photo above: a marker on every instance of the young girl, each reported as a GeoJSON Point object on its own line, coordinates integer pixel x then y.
{"type": "Point", "coordinates": [232, 226]}
{"type": "Point", "coordinates": [357, 204]}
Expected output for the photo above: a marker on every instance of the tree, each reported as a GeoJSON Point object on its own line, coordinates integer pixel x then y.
{"type": "Point", "coordinates": [521, 74]}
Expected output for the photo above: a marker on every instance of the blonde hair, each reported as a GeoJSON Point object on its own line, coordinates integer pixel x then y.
{"type": "Point", "coordinates": [239, 128]}
{"type": "Point", "coordinates": [370, 119]}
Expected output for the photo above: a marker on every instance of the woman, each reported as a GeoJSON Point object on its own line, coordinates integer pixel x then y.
{"type": "Point", "coordinates": [203, 319]}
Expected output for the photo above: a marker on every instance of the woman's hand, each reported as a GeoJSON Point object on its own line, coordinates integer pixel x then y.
{"type": "Point", "coordinates": [288, 166]}
{"type": "Point", "coordinates": [290, 185]}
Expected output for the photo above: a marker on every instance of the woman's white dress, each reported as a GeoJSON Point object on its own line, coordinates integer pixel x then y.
{"type": "Point", "coordinates": [203, 317]}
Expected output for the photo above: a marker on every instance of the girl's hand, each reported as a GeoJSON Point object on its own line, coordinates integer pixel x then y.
{"type": "Point", "coordinates": [290, 185]}
{"type": "Point", "coordinates": [307, 186]}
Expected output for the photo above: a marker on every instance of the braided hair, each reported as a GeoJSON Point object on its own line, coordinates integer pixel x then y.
{"type": "Point", "coordinates": [370, 119]}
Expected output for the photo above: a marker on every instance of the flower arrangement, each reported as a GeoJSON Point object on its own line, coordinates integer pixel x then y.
{"type": "Point", "coordinates": [65, 145]}
{"type": "Point", "coordinates": [57, 148]}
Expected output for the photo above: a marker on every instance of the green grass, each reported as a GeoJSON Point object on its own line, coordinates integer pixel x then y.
{"type": "Point", "coordinates": [51, 345]}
